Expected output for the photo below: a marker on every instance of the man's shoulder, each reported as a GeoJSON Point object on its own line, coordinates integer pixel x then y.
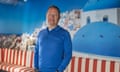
{"type": "Point", "coordinates": [43, 30]}
{"type": "Point", "coordinates": [64, 32]}
{"type": "Point", "coordinates": [62, 29]}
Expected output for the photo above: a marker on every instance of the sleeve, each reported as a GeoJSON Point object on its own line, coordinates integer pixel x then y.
{"type": "Point", "coordinates": [36, 54]}
{"type": "Point", "coordinates": [67, 52]}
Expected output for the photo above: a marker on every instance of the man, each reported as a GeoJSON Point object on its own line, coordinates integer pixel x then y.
{"type": "Point", "coordinates": [53, 50]}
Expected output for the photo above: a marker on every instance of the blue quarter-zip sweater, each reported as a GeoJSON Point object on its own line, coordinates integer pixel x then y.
{"type": "Point", "coordinates": [53, 50]}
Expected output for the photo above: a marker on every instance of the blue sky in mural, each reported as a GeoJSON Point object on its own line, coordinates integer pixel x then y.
{"type": "Point", "coordinates": [24, 17]}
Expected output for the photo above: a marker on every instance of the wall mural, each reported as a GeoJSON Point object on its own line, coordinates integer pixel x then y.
{"type": "Point", "coordinates": [94, 28]}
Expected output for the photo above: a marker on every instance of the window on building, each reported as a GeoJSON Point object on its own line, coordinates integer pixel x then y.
{"type": "Point", "coordinates": [88, 20]}
{"type": "Point", "coordinates": [105, 18]}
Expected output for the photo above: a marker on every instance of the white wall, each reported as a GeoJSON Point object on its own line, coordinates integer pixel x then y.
{"type": "Point", "coordinates": [111, 13]}
{"type": "Point", "coordinates": [84, 16]}
{"type": "Point", "coordinates": [98, 15]}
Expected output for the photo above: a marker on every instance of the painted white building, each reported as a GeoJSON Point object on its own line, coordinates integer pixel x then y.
{"type": "Point", "coordinates": [99, 10]}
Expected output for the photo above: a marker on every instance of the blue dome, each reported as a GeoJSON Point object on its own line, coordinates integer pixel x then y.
{"type": "Point", "coordinates": [101, 4]}
{"type": "Point", "coordinates": [101, 38]}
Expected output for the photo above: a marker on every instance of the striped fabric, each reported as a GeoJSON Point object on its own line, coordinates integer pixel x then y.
{"type": "Point", "coordinates": [15, 68]}
{"type": "Point", "coordinates": [17, 59]}
{"type": "Point", "coordinates": [79, 64]}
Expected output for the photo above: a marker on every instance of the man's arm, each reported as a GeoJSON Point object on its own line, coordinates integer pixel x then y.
{"type": "Point", "coordinates": [36, 55]}
{"type": "Point", "coordinates": [67, 52]}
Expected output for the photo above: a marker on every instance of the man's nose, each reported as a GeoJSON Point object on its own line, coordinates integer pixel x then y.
{"type": "Point", "coordinates": [52, 15]}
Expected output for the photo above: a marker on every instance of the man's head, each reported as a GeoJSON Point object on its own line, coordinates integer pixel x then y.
{"type": "Point", "coordinates": [53, 15]}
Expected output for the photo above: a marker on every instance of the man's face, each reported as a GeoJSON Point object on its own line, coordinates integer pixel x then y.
{"type": "Point", "coordinates": [52, 17]}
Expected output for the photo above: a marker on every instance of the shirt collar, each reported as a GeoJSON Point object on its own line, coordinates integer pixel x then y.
{"type": "Point", "coordinates": [54, 29]}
